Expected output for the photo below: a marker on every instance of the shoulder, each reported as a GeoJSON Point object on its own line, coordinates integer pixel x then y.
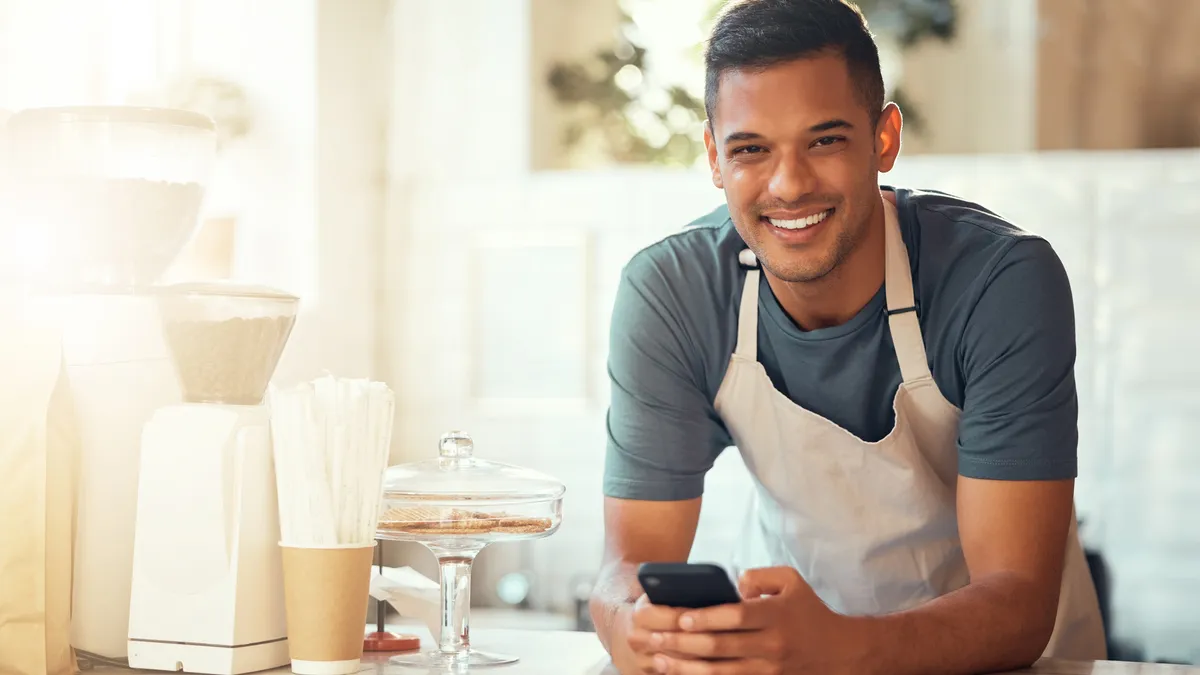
{"type": "Point", "coordinates": [961, 250]}
{"type": "Point", "coordinates": [982, 284]}
{"type": "Point", "coordinates": [669, 334]}
{"type": "Point", "coordinates": [952, 233]}
{"type": "Point", "coordinates": [703, 244]}
{"type": "Point", "coordinates": [1000, 324]}
{"type": "Point", "coordinates": [691, 267]}
{"type": "Point", "coordinates": [677, 298]}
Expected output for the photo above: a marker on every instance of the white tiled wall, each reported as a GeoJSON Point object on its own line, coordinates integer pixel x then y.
{"type": "Point", "coordinates": [1126, 225]}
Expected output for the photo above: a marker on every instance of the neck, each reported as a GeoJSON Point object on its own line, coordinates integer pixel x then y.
{"type": "Point", "coordinates": [838, 296]}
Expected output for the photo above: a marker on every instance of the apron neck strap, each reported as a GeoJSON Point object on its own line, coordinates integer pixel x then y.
{"type": "Point", "coordinates": [747, 335]}
{"type": "Point", "coordinates": [901, 306]}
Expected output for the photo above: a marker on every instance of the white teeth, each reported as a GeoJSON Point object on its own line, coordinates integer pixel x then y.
{"type": "Point", "coordinates": [801, 223]}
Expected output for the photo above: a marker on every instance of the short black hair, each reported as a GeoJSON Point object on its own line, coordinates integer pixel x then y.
{"type": "Point", "coordinates": [757, 34]}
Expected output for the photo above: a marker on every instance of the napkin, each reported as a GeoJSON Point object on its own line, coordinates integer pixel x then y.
{"type": "Point", "coordinates": [412, 594]}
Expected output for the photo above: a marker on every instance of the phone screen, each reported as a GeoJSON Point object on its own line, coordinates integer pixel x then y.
{"type": "Point", "coordinates": [689, 585]}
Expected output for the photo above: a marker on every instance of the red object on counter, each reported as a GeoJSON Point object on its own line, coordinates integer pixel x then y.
{"type": "Point", "coordinates": [390, 642]}
{"type": "Point", "coordinates": [382, 640]}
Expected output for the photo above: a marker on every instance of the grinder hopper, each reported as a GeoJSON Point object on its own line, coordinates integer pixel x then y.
{"type": "Point", "coordinates": [225, 339]}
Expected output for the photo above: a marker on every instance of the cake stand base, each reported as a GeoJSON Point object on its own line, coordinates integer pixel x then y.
{"type": "Point", "coordinates": [437, 660]}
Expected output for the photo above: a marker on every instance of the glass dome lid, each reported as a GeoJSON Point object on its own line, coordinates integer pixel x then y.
{"type": "Point", "coordinates": [456, 475]}
{"type": "Point", "coordinates": [116, 114]}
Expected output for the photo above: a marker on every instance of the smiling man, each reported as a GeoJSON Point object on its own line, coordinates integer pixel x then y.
{"type": "Point", "coordinates": [894, 366]}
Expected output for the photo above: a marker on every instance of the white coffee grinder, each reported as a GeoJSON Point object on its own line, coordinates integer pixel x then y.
{"type": "Point", "coordinates": [207, 592]}
{"type": "Point", "coordinates": [98, 203]}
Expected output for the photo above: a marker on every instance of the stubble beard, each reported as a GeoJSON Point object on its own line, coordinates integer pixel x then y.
{"type": "Point", "coordinates": [845, 243]}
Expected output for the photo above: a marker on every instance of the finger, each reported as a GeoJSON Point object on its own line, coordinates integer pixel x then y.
{"type": "Point", "coordinates": [647, 641]}
{"type": "Point", "coordinates": [643, 656]}
{"type": "Point", "coordinates": [639, 640]}
{"type": "Point", "coordinates": [669, 665]}
{"type": "Point", "coordinates": [746, 615]}
{"type": "Point", "coordinates": [728, 645]}
{"type": "Point", "coordinates": [646, 664]}
{"type": "Point", "coordinates": [656, 617]}
{"type": "Point", "coordinates": [768, 581]}
{"type": "Point", "coordinates": [646, 644]}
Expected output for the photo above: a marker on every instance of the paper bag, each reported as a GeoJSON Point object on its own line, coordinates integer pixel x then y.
{"type": "Point", "coordinates": [39, 442]}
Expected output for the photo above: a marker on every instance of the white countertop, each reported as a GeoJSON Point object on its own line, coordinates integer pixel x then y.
{"type": "Point", "coordinates": [573, 653]}
{"type": "Point", "coordinates": [540, 652]}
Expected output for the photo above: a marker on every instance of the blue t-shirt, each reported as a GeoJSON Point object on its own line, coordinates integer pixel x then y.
{"type": "Point", "coordinates": [995, 310]}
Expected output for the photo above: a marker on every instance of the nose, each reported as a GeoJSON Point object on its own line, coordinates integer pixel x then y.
{"type": "Point", "coordinates": [792, 180]}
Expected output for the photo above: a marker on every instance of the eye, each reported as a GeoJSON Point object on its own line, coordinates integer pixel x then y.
{"type": "Point", "coordinates": [826, 141]}
{"type": "Point", "coordinates": [747, 149]}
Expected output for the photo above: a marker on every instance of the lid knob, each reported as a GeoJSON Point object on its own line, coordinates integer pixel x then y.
{"type": "Point", "coordinates": [455, 445]}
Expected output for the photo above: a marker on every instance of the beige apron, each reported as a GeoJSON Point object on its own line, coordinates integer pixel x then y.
{"type": "Point", "coordinates": [872, 527]}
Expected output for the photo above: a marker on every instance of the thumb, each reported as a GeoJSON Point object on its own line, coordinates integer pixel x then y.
{"type": "Point", "coordinates": [768, 581]}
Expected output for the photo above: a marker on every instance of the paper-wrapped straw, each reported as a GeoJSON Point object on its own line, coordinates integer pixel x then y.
{"type": "Point", "coordinates": [331, 438]}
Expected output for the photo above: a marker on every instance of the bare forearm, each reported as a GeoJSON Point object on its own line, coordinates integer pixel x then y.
{"type": "Point", "coordinates": [636, 532]}
{"type": "Point", "coordinates": [999, 623]}
{"type": "Point", "coordinates": [616, 591]}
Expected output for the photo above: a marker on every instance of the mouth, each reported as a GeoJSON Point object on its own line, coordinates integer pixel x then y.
{"type": "Point", "coordinates": [799, 227]}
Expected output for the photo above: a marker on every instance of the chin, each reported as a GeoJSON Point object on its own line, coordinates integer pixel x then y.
{"type": "Point", "coordinates": [787, 266]}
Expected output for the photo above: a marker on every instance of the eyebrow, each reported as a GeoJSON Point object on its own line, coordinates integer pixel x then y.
{"type": "Point", "coordinates": [827, 125]}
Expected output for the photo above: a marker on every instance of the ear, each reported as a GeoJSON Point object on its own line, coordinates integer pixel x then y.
{"type": "Point", "coordinates": [710, 144]}
{"type": "Point", "coordinates": [887, 136]}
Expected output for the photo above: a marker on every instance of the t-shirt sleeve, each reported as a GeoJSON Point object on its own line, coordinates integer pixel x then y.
{"type": "Point", "coordinates": [1020, 407]}
{"type": "Point", "coordinates": [663, 432]}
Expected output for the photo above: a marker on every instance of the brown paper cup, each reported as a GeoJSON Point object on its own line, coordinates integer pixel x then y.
{"type": "Point", "coordinates": [326, 593]}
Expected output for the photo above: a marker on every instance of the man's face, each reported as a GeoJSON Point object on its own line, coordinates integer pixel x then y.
{"type": "Point", "coordinates": [795, 151]}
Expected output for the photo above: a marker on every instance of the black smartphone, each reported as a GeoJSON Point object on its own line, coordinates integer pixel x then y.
{"type": "Point", "coordinates": [687, 585]}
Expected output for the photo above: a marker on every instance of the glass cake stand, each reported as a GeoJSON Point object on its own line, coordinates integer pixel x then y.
{"type": "Point", "coordinates": [456, 505]}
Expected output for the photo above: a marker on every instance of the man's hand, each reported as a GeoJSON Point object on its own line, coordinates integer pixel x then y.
{"type": "Point", "coordinates": [780, 627]}
{"type": "Point", "coordinates": [650, 620]}
{"type": "Point", "coordinates": [637, 532]}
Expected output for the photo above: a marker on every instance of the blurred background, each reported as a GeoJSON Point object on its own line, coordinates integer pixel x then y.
{"type": "Point", "coordinates": [452, 187]}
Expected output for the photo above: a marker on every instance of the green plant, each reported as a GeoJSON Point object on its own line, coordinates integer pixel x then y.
{"type": "Point", "coordinates": [912, 21]}
{"type": "Point", "coordinates": [631, 123]}
{"type": "Point", "coordinates": [615, 106]}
